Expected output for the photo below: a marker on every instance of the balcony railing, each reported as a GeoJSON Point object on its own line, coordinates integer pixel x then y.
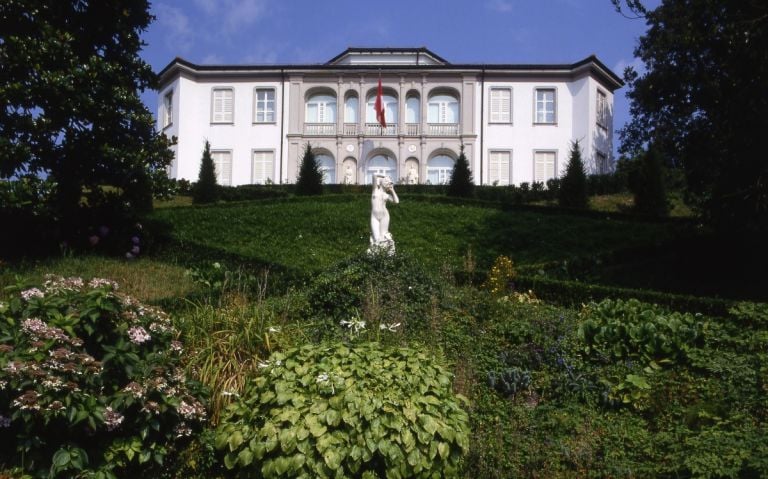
{"type": "Point", "coordinates": [374, 129]}
{"type": "Point", "coordinates": [443, 129]}
{"type": "Point", "coordinates": [319, 129]}
{"type": "Point", "coordinates": [412, 129]}
{"type": "Point", "coordinates": [350, 129]}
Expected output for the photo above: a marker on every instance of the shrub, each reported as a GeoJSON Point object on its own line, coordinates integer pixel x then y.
{"type": "Point", "coordinates": [340, 411]}
{"type": "Point", "coordinates": [461, 183]}
{"type": "Point", "coordinates": [573, 186]}
{"type": "Point", "coordinates": [206, 190]}
{"type": "Point", "coordinates": [91, 382]}
{"type": "Point", "coordinates": [646, 182]}
{"type": "Point", "coordinates": [310, 180]}
{"type": "Point", "coordinates": [383, 289]}
{"type": "Point", "coordinates": [501, 277]}
{"type": "Point", "coordinates": [616, 330]}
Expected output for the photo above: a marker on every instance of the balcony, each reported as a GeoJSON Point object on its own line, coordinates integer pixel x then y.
{"type": "Point", "coordinates": [412, 129]}
{"type": "Point", "coordinates": [319, 129]}
{"type": "Point", "coordinates": [443, 129]}
{"type": "Point", "coordinates": [374, 129]}
{"type": "Point", "coordinates": [350, 129]}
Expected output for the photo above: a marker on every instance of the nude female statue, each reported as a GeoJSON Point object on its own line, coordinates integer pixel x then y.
{"type": "Point", "coordinates": [383, 191]}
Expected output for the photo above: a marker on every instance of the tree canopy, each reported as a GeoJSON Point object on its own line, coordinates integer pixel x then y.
{"type": "Point", "coordinates": [310, 180]}
{"type": "Point", "coordinates": [702, 101]}
{"type": "Point", "coordinates": [461, 183]}
{"type": "Point", "coordinates": [70, 78]}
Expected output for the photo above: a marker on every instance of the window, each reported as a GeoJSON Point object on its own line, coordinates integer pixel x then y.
{"type": "Point", "coordinates": [601, 110]}
{"type": "Point", "coordinates": [443, 109]}
{"type": "Point", "coordinates": [264, 108]}
{"type": "Point", "coordinates": [390, 109]}
{"type": "Point", "coordinates": [501, 105]}
{"type": "Point", "coordinates": [544, 166]}
{"type": "Point", "coordinates": [327, 167]}
{"type": "Point", "coordinates": [168, 109]}
{"type": "Point", "coordinates": [439, 170]}
{"type": "Point", "coordinates": [499, 168]}
{"type": "Point", "coordinates": [223, 105]}
{"type": "Point", "coordinates": [262, 167]}
{"type": "Point", "coordinates": [602, 163]}
{"type": "Point", "coordinates": [222, 161]}
{"type": "Point", "coordinates": [321, 109]}
{"type": "Point", "coordinates": [381, 165]}
{"type": "Point", "coordinates": [412, 107]}
{"type": "Point", "coordinates": [545, 105]}
{"type": "Point", "coordinates": [350, 109]}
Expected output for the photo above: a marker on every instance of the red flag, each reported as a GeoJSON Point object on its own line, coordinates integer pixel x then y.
{"type": "Point", "coordinates": [379, 106]}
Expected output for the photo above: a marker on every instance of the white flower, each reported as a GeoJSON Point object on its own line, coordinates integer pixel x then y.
{"type": "Point", "coordinates": [138, 335]}
{"type": "Point", "coordinates": [274, 329]}
{"type": "Point", "coordinates": [322, 378]}
{"type": "Point", "coordinates": [229, 394]}
{"type": "Point", "coordinates": [355, 325]}
{"type": "Point", "coordinates": [389, 327]}
{"type": "Point", "coordinates": [32, 293]}
{"type": "Point", "coordinates": [112, 419]}
{"type": "Point", "coordinates": [5, 421]}
{"type": "Point", "coordinates": [263, 364]}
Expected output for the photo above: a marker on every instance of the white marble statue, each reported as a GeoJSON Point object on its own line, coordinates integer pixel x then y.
{"type": "Point", "coordinates": [383, 191]}
{"type": "Point", "coordinates": [413, 176]}
{"type": "Point", "coordinates": [348, 175]}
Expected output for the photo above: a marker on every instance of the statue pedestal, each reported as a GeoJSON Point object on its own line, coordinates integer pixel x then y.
{"type": "Point", "coordinates": [385, 246]}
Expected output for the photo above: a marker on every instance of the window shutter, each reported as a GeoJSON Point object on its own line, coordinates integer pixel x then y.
{"type": "Point", "coordinates": [223, 106]}
{"type": "Point", "coordinates": [545, 166]}
{"type": "Point", "coordinates": [500, 110]}
{"type": "Point", "coordinates": [262, 166]}
{"type": "Point", "coordinates": [223, 163]}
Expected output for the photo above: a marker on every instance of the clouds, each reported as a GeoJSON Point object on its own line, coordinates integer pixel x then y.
{"type": "Point", "coordinates": [175, 24]}
{"type": "Point", "coordinates": [232, 14]}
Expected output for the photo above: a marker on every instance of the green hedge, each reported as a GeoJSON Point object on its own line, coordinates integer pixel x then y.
{"type": "Point", "coordinates": [574, 293]}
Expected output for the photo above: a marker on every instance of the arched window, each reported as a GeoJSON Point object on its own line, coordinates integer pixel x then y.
{"type": "Point", "coordinates": [350, 109]}
{"type": "Point", "coordinates": [328, 167]}
{"type": "Point", "coordinates": [439, 170]}
{"type": "Point", "coordinates": [443, 109]}
{"type": "Point", "coordinates": [390, 109]}
{"type": "Point", "coordinates": [321, 109]}
{"type": "Point", "coordinates": [381, 165]}
{"type": "Point", "coordinates": [412, 108]}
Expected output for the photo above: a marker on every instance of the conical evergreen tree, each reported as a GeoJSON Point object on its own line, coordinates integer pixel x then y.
{"type": "Point", "coordinates": [573, 186]}
{"type": "Point", "coordinates": [206, 190]}
{"type": "Point", "coordinates": [461, 184]}
{"type": "Point", "coordinates": [310, 180]}
{"type": "Point", "coordinates": [647, 185]}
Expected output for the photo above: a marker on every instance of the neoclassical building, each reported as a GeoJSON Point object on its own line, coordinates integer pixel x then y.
{"type": "Point", "coordinates": [516, 122]}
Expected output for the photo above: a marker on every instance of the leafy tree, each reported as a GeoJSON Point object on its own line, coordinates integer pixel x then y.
{"type": "Point", "coordinates": [647, 184]}
{"type": "Point", "coordinates": [573, 186]}
{"type": "Point", "coordinates": [206, 190]}
{"type": "Point", "coordinates": [70, 81]}
{"type": "Point", "coordinates": [310, 180]}
{"type": "Point", "coordinates": [702, 101]}
{"type": "Point", "coordinates": [461, 183]}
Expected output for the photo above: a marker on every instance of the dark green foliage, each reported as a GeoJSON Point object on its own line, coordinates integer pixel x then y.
{"type": "Point", "coordinates": [697, 101]}
{"type": "Point", "coordinates": [461, 184]}
{"type": "Point", "coordinates": [206, 190]}
{"type": "Point", "coordinates": [310, 179]}
{"type": "Point", "coordinates": [646, 182]}
{"type": "Point", "coordinates": [71, 108]}
{"type": "Point", "coordinates": [573, 185]}
{"type": "Point", "coordinates": [382, 288]}
{"type": "Point", "coordinates": [92, 383]}
{"type": "Point", "coordinates": [509, 381]}
{"type": "Point", "coordinates": [333, 410]}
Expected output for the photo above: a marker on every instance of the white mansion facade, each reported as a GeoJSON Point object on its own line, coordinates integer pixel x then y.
{"type": "Point", "coordinates": [516, 122]}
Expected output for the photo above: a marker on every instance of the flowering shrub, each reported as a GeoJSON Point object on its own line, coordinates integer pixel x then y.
{"type": "Point", "coordinates": [90, 382]}
{"type": "Point", "coordinates": [501, 276]}
{"type": "Point", "coordinates": [338, 411]}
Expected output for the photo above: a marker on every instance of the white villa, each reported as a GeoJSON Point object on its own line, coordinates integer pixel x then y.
{"type": "Point", "coordinates": [516, 122]}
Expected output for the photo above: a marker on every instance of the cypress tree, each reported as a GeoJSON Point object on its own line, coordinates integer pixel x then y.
{"type": "Point", "coordinates": [573, 186]}
{"type": "Point", "coordinates": [647, 185]}
{"type": "Point", "coordinates": [206, 190]}
{"type": "Point", "coordinates": [461, 183]}
{"type": "Point", "coordinates": [310, 180]}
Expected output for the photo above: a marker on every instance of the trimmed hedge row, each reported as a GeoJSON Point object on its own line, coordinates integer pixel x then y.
{"type": "Point", "coordinates": [574, 293]}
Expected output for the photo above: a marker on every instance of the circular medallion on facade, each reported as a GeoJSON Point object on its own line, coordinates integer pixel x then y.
{"type": "Point", "coordinates": [350, 148]}
{"type": "Point", "coordinates": [412, 148]}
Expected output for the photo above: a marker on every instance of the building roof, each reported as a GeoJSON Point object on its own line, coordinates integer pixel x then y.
{"type": "Point", "coordinates": [418, 59]}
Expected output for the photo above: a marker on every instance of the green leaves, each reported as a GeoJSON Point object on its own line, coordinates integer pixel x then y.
{"type": "Point", "coordinates": [356, 414]}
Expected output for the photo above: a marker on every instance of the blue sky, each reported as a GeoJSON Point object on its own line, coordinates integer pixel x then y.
{"type": "Point", "coordinates": [460, 31]}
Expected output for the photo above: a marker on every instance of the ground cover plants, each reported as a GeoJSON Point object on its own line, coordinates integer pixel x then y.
{"type": "Point", "coordinates": [615, 388]}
